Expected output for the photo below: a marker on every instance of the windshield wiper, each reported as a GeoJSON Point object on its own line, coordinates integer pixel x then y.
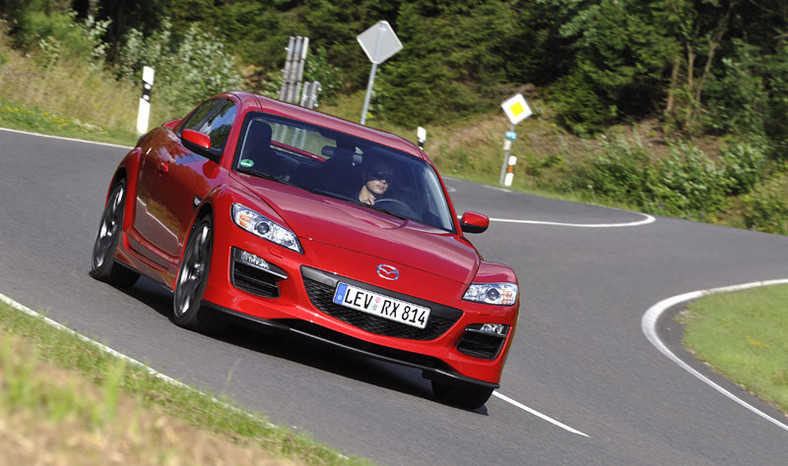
{"type": "Point", "coordinates": [266, 176]}
{"type": "Point", "coordinates": [384, 210]}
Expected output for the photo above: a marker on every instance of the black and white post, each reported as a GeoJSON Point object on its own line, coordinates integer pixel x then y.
{"type": "Point", "coordinates": [144, 112]}
{"type": "Point", "coordinates": [421, 136]}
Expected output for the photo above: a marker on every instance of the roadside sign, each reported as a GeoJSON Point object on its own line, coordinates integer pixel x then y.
{"type": "Point", "coordinates": [517, 109]}
{"type": "Point", "coordinates": [511, 135]}
{"type": "Point", "coordinates": [379, 42]}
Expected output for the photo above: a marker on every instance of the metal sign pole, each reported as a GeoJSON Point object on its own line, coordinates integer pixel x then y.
{"type": "Point", "coordinates": [507, 145]}
{"type": "Point", "coordinates": [371, 82]}
{"type": "Point", "coordinates": [517, 110]}
{"type": "Point", "coordinates": [369, 93]}
{"type": "Point", "coordinates": [379, 42]}
{"type": "Point", "coordinates": [286, 71]}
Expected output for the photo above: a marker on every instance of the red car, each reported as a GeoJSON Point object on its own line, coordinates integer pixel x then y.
{"type": "Point", "coordinates": [298, 220]}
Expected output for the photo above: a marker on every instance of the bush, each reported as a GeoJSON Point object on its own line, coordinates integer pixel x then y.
{"type": "Point", "coordinates": [690, 185]}
{"type": "Point", "coordinates": [57, 35]}
{"type": "Point", "coordinates": [620, 172]}
{"type": "Point", "coordinates": [188, 70]}
{"type": "Point", "coordinates": [743, 166]}
{"type": "Point", "coordinates": [766, 209]}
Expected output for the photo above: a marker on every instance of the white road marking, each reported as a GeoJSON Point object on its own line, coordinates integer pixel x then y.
{"type": "Point", "coordinates": [649, 326]}
{"type": "Point", "coordinates": [537, 414]}
{"type": "Point", "coordinates": [169, 380]}
{"type": "Point", "coordinates": [63, 138]}
{"type": "Point", "coordinates": [647, 219]}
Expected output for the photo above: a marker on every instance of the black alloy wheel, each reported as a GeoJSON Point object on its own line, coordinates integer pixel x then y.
{"type": "Point", "coordinates": [192, 279]}
{"type": "Point", "coordinates": [103, 265]}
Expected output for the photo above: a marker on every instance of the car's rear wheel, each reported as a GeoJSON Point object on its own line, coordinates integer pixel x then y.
{"type": "Point", "coordinates": [460, 394]}
{"type": "Point", "coordinates": [103, 265]}
{"type": "Point", "coordinates": [191, 281]}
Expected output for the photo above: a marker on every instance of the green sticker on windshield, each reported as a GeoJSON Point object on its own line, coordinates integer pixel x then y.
{"type": "Point", "coordinates": [247, 163]}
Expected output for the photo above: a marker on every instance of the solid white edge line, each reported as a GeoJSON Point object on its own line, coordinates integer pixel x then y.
{"type": "Point", "coordinates": [649, 328]}
{"type": "Point", "coordinates": [648, 219]}
{"type": "Point", "coordinates": [26, 310]}
{"type": "Point", "coordinates": [645, 221]}
{"type": "Point", "coordinates": [537, 414]}
{"type": "Point", "coordinates": [63, 138]}
{"type": "Point", "coordinates": [134, 362]}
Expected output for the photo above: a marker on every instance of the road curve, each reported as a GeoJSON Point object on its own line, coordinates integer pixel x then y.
{"type": "Point", "coordinates": [580, 363]}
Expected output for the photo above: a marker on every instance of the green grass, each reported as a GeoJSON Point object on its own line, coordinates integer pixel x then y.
{"type": "Point", "coordinates": [744, 336]}
{"type": "Point", "coordinates": [25, 118]}
{"type": "Point", "coordinates": [26, 341]}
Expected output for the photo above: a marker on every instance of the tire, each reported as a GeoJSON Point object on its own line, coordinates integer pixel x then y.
{"type": "Point", "coordinates": [187, 310]}
{"type": "Point", "coordinates": [465, 396]}
{"type": "Point", "coordinates": [103, 265]}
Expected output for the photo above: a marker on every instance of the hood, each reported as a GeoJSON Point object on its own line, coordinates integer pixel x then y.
{"type": "Point", "coordinates": [361, 230]}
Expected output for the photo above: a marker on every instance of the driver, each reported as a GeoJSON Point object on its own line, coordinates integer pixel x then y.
{"type": "Point", "coordinates": [377, 178]}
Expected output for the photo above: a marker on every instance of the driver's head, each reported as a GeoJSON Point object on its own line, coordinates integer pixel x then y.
{"type": "Point", "coordinates": [378, 176]}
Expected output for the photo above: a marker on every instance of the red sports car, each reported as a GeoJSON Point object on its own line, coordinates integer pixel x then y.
{"type": "Point", "coordinates": [298, 220]}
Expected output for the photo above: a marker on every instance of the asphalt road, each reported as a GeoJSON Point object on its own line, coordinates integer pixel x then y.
{"type": "Point", "coordinates": [583, 385]}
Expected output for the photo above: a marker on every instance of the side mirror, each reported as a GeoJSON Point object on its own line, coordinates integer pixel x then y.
{"type": "Point", "coordinates": [471, 222]}
{"type": "Point", "coordinates": [199, 143]}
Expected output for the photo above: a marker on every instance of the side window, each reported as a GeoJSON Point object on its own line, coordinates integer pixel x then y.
{"type": "Point", "coordinates": [197, 118]}
{"type": "Point", "coordinates": [219, 124]}
{"type": "Point", "coordinates": [214, 118]}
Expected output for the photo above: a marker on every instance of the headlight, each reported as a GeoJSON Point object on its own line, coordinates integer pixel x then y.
{"type": "Point", "coordinates": [502, 294]}
{"type": "Point", "coordinates": [259, 225]}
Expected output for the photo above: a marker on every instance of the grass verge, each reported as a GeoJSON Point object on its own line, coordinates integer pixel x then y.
{"type": "Point", "coordinates": [64, 400]}
{"type": "Point", "coordinates": [744, 336]}
{"type": "Point", "coordinates": [33, 119]}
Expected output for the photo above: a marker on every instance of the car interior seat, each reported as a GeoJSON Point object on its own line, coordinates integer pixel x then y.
{"type": "Point", "coordinates": [256, 152]}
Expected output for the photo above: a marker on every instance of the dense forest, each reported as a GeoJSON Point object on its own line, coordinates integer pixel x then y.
{"type": "Point", "coordinates": [700, 65]}
{"type": "Point", "coordinates": [699, 68]}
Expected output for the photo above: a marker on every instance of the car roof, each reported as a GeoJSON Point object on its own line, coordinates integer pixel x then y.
{"type": "Point", "coordinates": [258, 102]}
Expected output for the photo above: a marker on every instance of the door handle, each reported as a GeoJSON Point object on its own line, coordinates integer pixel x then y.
{"type": "Point", "coordinates": [163, 168]}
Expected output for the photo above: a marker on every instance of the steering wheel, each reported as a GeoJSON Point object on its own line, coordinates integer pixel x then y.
{"type": "Point", "coordinates": [396, 207]}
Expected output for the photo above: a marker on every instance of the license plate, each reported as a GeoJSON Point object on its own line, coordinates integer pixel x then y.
{"type": "Point", "coordinates": [381, 305]}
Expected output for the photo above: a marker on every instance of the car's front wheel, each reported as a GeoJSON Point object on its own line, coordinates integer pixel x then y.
{"type": "Point", "coordinates": [103, 265]}
{"type": "Point", "coordinates": [191, 281]}
{"type": "Point", "coordinates": [460, 394]}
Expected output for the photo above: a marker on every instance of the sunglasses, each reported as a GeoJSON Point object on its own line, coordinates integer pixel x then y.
{"type": "Point", "coordinates": [381, 175]}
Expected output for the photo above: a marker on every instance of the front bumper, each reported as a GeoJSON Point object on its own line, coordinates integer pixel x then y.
{"type": "Point", "coordinates": [297, 298]}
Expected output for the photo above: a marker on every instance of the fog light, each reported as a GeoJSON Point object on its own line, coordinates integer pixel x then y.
{"type": "Point", "coordinates": [494, 329]}
{"type": "Point", "coordinates": [254, 261]}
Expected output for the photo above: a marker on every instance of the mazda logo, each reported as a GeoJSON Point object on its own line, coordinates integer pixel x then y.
{"type": "Point", "coordinates": [388, 272]}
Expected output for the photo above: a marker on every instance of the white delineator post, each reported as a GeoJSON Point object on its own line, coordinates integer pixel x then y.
{"type": "Point", "coordinates": [421, 136]}
{"type": "Point", "coordinates": [144, 111]}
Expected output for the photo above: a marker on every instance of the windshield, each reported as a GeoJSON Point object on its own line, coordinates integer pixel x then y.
{"type": "Point", "coordinates": [343, 166]}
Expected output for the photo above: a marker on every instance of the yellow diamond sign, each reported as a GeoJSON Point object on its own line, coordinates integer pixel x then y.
{"type": "Point", "coordinates": [516, 109]}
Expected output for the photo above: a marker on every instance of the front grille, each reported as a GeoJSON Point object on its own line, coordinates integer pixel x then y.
{"type": "Point", "coordinates": [255, 281]}
{"type": "Point", "coordinates": [320, 289]}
